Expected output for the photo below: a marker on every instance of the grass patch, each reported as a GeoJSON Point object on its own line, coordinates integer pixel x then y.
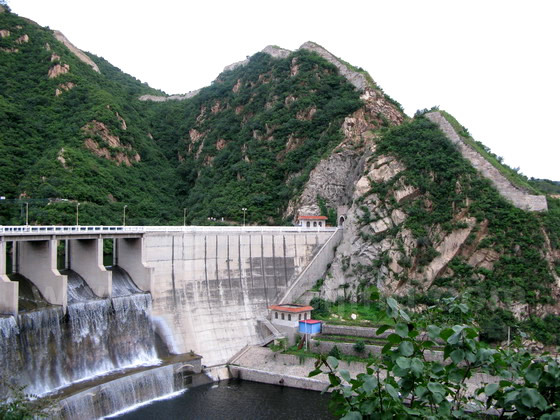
{"type": "Point", "coordinates": [346, 313]}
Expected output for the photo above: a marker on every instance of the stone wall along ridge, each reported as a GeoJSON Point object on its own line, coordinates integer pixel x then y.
{"type": "Point", "coordinates": [357, 79]}
{"type": "Point", "coordinates": [510, 192]}
{"type": "Point", "coordinates": [75, 50]}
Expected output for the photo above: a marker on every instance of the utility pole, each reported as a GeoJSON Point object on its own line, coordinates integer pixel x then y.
{"type": "Point", "coordinates": [184, 217]}
{"type": "Point", "coordinates": [244, 210]}
{"type": "Point", "coordinates": [26, 214]}
{"type": "Point", "coordinates": [77, 214]}
{"type": "Point", "coordinates": [124, 215]}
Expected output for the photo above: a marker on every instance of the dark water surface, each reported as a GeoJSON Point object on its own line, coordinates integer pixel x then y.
{"type": "Point", "coordinates": [235, 399]}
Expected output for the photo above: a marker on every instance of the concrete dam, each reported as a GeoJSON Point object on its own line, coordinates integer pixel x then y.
{"type": "Point", "coordinates": [209, 290]}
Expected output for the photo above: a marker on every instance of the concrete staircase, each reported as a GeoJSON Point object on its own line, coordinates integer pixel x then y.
{"type": "Point", "coordinates": [314, 270]}
{"type": "Point", "coordinates": [275, 334]}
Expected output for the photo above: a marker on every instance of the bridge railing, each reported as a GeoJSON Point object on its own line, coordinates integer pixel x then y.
{"type": "Point", "coordinates": [65, 230]}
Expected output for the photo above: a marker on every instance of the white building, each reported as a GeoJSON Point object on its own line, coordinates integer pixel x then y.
{"type": "Point", "coordinates": [289, 314]}
{"type": "Point", "coordinates": [312, 221]}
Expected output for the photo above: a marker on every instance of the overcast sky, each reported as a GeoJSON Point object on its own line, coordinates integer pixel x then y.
{"type": "Point", "coordinates": [493, 64]}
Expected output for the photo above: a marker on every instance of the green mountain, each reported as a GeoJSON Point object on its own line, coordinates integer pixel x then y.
{"type": "Point", "coordinates": [428, 211]}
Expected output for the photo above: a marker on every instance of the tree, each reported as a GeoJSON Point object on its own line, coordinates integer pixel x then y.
{"type": "Point", "coordinates": [18, 405]}
{"type": "Point", "coordinates": [407, 383]}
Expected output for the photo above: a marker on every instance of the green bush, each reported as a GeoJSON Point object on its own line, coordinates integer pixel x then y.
{"type": "Point", "coordinates": [321, 307]}
{"type": "Point", "coordinates": [359, 346]}
{"type": "Point", "coordinates": [335, 352]}
{"type": "Point", "coordinates": [546, 330]}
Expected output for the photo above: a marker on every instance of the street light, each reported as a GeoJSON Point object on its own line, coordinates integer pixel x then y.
{"type": "Point", "coordinates": [77, 214]}
{"type": "Point", "coordinates": [26, 214]}
{"type": "Point", "coordinates": [184, 217]}
{"type": "Point", "coordinates": [124, 215]}
{"type": "Point", "coordinates": [244, 210]}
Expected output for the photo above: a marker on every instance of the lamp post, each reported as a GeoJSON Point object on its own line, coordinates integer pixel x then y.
{"type": "Point", "coordinates": [244, 210]}
{"type": "Point", "coordinates": [77, 214]}
{"type": "Point", "coordinates": [124, 215]}
{"type": "Point", "coordinates": [184, 217]}
{"type": "Point", "coordinates": [26, 214]}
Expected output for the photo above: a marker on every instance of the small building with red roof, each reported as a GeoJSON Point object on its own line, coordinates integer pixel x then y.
{"type": "Point", "coordinates": [289, 314]}
{"type": "Point", "coordinates": [311, 221]}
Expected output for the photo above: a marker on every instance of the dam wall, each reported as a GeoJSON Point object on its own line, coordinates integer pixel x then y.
{"type": "Point", "coordinates": [209, 287]}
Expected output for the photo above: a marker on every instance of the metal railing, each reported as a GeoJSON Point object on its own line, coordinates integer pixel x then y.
{"type": "Point", "coordinates": [65, 230]}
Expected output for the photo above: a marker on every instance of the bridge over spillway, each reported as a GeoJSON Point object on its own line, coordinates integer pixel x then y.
{"type": "Point", "coordinates": [208, 284]}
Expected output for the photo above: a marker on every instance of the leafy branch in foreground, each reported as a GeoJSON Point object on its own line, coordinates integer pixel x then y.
{"type": "Point", "coordinates": [17, 405]}
{"type": "Point", "coordinates": [414, 381]}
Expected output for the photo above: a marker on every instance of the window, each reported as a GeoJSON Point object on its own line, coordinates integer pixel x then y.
{"type": "Point", "coordinates": [320, 224]}
{"type": "Point", "coordinates": [314, 224]}
{"type": "Point", "coordinates": [289, 317]}
{"type": "Point", "coordinates": [308, 224]}
{"type": "Point", "coordinates": [282, 317]}
{"type": "Point", "coordinates": [299, 317]}
{"type": "Point", "coordinates": [305, 316]}
{"type": "Point", "coordinates": [276, 315]}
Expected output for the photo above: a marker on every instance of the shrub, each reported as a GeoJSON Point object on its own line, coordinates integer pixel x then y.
{"type": "Point", "coordinates": [359, 346]}
{"type": "Point", "coordinates": [335, 352]}
{"type": "Point", "coordinates": [403, 384]}
{"type": "Point", "coordinates": [321, 307]}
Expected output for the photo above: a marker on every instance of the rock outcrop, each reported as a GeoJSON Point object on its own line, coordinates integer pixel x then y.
{"type": "Point", "coordinates": [57, 70]}
{"type": "Point", "coordinates": [335, 177]}
{"type": "Point", "coordinates": [111, 147]}
{"type": "Point", "coordinates": [64, 87]}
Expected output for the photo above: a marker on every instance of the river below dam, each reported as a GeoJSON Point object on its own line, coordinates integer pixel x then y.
{"type": "Point", "coordinates": [236, 399]}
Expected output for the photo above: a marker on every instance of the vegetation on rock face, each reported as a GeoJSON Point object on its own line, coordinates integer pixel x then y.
{"type": "Point", "coordinates": [251, 139]}
{"type": "Point", "coordinates": [450, 195]}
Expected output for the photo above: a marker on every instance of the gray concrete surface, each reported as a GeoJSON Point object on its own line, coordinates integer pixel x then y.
{"type": "Point", "coordinates": [86, 259]}
{"type": "Point", "coordinates": [37, 261]}
{"type": "Point", "coordinates": [209, 287]}
{"type": "Point", "coordinates": [9, 290]}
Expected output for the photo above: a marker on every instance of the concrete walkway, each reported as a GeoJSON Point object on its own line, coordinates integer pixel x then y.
{"type": "Point", "coordinates": [260, 364]}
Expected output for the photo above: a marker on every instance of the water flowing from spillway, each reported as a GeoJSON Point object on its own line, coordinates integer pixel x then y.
{"type": "Point", "coordinates": [47, 350]}
{"type": "Point", "coordinates": [122, 394]}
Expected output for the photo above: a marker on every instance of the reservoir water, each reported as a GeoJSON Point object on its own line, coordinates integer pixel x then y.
{"type": "Point", "coordinates": [236, 399]}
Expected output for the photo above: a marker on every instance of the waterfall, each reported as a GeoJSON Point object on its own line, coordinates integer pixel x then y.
{"type": "Point", "coordinates": [124, 393]}
{"type": "Point", "coordinates": [135, 342]}
{"type": "Point", "coordinates": [47, 350]}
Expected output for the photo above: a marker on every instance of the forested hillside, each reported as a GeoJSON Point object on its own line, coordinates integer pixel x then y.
{"type": "Point", "coordinates": [50, 104]}
{"type": "Point", "coordinates": [251, 139]}
{"type": "Point", "coordinates": [282, 133]}
{"type": "Point", "coordinates": [71, 134]}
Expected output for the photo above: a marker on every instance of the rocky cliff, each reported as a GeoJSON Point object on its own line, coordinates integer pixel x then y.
{"type": "Point", "coordinates": [424, 223]}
